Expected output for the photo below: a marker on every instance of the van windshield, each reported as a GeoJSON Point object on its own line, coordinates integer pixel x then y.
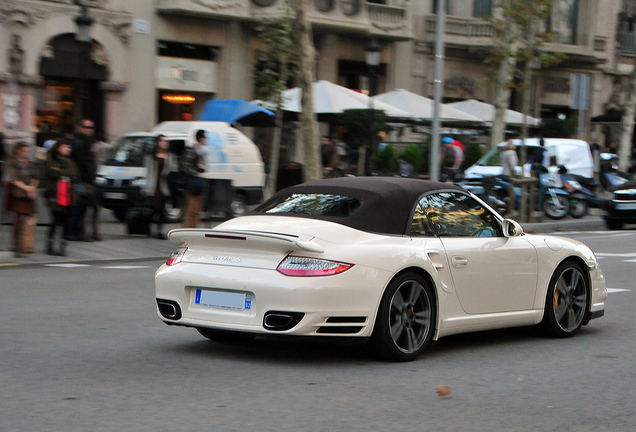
{"type": "Point", "coordinates": [492, 158]}
{"type": "Point", "coordinates": [130, 151]}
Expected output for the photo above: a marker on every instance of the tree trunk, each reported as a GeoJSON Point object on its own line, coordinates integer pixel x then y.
{"type": "Point", "coordinates": [504, 76]}
{"type": "Point", "coordinates": [627, 124]}
{"type": "Point", "coordinates": [274, 154]}
{"type": "Point", "coordinates": [502, 99]}
{"type": "Point", "coordinates": [308, 128]}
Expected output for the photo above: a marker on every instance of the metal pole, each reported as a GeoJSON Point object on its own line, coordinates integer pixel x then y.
{"type": "Point", "coordinates": [437, 90]}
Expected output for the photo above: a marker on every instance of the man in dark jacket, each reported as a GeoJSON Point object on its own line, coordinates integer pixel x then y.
{"type": "Point", "coordinates": [83, 154]}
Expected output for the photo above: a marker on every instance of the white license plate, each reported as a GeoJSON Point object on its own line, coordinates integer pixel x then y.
{"type": "Point", "coordinates": [626, 206]}
{"type": "Point", "coordinates": [115, 195]}
{"type": "Point", "coordinates": [223, 299]}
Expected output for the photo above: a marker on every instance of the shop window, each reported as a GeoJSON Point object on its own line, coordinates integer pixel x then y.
{"type": "Point", "coordinates": [629, 38]}
{"type": "Point", "coordinates": [188, 51]}
{"type": "Point", "coordinates": [175, 106]}
{"type": "Point", "coordinates": [448, 7]}
{"type": "Point", "coordinates": [568, 17]}
{"type": "Point", "coordinates": [264, 3]}
{"type": "Point", "coordinates": [324, 5]}
{"type": "Point", "coordinates": [482, 8]}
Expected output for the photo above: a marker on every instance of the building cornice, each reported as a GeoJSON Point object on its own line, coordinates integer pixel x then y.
{"type": "Point", "coordinates": [29, 12]}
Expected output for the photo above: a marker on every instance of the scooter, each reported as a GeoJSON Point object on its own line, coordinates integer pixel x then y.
{"type": "Point", "coordinates": [581, 191]}
{"type": "Point", "coordinates": [610, 176]}
{"type": "Point", "coordinates": [494, 190]}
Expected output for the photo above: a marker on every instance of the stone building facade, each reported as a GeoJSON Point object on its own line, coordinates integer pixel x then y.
{"type": "Point", "coordinates": [154, 60]}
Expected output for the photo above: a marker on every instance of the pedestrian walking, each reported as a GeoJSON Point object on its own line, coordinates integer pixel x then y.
{"type": "Point", "coordinates": [83, 153]}
{"type": "Point", "coordinates": [60, 175]}
{"type": "Point", "coordinates": [158, 164]}
{"type": "Point", "coordinates": [451, 158]}
{"type": "Point", "coordinates": [509, 160]}
{"type": "Point", "coordinates": [22, 193]}
{"type": "Point", "coordinates": [192, 165]}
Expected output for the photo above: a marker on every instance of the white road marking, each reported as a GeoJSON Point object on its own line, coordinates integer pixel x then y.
{"type": "Point", "coordinates": [67, 265]}
{"type": "Point", "coordinates": [616, 290]}
{"type": "Point", "coordinates": [619, 255]}
{"type": "Point", "coordinates": [632, 260]}
{"type": "Point", "coordinates": [125, 267]}
{"type": "Point", "coordinates": [596, 234]}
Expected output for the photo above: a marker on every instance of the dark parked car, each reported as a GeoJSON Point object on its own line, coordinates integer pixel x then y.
{"type": "Point", "coordinates": [622, 208]}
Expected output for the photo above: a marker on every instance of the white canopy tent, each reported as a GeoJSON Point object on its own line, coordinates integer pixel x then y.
{"type": "Point", "coordinates": [486, 112]}
{"type": "Point", "coordinates": [330, 98]}
{"type": "Point", "coordinates": [421, 108]}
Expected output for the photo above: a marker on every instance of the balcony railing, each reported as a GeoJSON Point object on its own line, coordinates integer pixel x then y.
{"type": "Point", "coordinates": [386, 17]}
{"type": "Point", "coordinates": [469, 28]}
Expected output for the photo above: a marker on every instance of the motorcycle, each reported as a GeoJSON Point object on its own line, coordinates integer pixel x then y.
{"type": "Point", "coordinates": [494, 191]}
{"type": "Point", "coordinates": [581, 191]}
{"type": "Point", "coordinates": [609, 175]}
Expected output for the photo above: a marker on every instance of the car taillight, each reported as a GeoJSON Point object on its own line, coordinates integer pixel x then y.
{"type": "Point", "coordinates": [299, 266]}
{"type": "Point", "coordinates": [176, 256]}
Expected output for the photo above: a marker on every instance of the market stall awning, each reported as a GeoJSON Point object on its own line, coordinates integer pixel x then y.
{"type": "Point", "coordinates": [486, 112]}
{"type": "Point", "coordinates": [331, 99]}
{"type": "Point", "coordinates": [422, 108]}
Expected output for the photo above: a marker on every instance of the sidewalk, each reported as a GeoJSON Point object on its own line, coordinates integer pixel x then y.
{"type": "Point", "coordinates": [119, 246]}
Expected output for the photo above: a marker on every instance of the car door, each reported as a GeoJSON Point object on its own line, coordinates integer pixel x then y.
{"type": "Point", "coordinates": [490, 272]}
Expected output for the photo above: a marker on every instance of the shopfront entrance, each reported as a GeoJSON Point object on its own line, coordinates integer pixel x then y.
{"type": "Point", "coordinates": [72, 73]}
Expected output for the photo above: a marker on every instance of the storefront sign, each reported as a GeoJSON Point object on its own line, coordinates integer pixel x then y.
{"type": "Point", "coordinates": [186, 75]}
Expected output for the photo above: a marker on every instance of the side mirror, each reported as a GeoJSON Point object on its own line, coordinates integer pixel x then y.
{"type": "Point", "coordinates": [512, 228]}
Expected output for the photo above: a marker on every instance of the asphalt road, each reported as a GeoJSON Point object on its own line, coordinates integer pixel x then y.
{"type": "Point", "coordinates": [81, 349]}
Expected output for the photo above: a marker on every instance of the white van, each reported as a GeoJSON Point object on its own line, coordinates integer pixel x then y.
{"type": "Point", "coordinates": [229, 155]}
{"type": "Point", "coordinates": [574, 154]}
{"type": "Point", "coordinates": [122, 175]}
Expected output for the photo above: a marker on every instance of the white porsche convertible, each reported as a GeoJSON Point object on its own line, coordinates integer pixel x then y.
{"type": "Point", "coordinates": [397, 261]}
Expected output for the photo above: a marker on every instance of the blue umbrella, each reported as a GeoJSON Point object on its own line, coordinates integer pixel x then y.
{"type": "Point", "coordinates": [233, 111]}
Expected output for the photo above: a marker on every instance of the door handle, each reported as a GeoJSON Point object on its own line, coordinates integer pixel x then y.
{"type": "Point", "coordinates": [459, 261]}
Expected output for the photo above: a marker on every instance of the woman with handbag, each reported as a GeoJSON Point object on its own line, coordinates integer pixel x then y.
{"type": "Point", "coordinates": [60, 176]}
{"type": "Point", "coordinates": [23, 190]}
{"type": "Point", "coordinates": [192, 166]}
{"type": "Point", "coordinates": [159, 164]}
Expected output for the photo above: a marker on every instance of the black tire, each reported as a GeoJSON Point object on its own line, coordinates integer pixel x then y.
{"type": "Point", "coordinates": [578, 208]}
{"type": "Point", "coordinates": [557, 207]}
{"type": "Point", "coordinates": [613, 224]}
{"type": "Point", "coordinates": [120, 214]}
{"type": "Point", "coordinates": [227, 337]}
{"type": "Point", "coordinates": [567, 301]}
{"type": "Point", "coordinates": [406, 319]}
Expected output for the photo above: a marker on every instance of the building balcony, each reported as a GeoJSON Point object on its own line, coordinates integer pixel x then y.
{"type": "Point", "coordinates": [476, 37]}
{"type": "Point", "coordinates": [387, 19]}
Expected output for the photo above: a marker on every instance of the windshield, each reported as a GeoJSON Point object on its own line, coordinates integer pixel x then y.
{"type": "Point", "coordinates": [130, 151]}
{"type": "Point", "coordinates": [312, 204]}
{"type": "Point", "coordinates": [492, 158]}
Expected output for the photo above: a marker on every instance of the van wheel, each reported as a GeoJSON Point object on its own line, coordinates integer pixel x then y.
{"type": "Point", "coordinates": [238, 206]}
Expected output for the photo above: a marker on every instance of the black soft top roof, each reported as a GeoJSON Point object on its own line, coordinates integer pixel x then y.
{"type": "Point", "coordinates": [386, 201]}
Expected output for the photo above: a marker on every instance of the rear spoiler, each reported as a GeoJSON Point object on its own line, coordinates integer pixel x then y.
{"type": "Point", "coordinates": [198, 236]}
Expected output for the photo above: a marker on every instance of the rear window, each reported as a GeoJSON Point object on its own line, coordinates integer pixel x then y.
{"type": "Point", "coordinates": [312, 204]}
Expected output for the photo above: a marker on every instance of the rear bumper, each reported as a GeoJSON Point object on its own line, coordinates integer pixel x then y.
{"type": "Point", "coordinates": [341, 305]}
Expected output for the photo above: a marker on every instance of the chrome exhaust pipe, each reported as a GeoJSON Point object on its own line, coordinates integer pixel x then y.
{"type": "Point", "coordinates": [280, 321]}
{"type": "Point", "coordinates": [169, 309]}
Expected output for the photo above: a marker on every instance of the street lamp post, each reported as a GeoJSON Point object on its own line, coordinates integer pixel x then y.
{"type": "Point", "coordinates": [84, 22]}
{"type": "Point", "coordinates": [373, 56]}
